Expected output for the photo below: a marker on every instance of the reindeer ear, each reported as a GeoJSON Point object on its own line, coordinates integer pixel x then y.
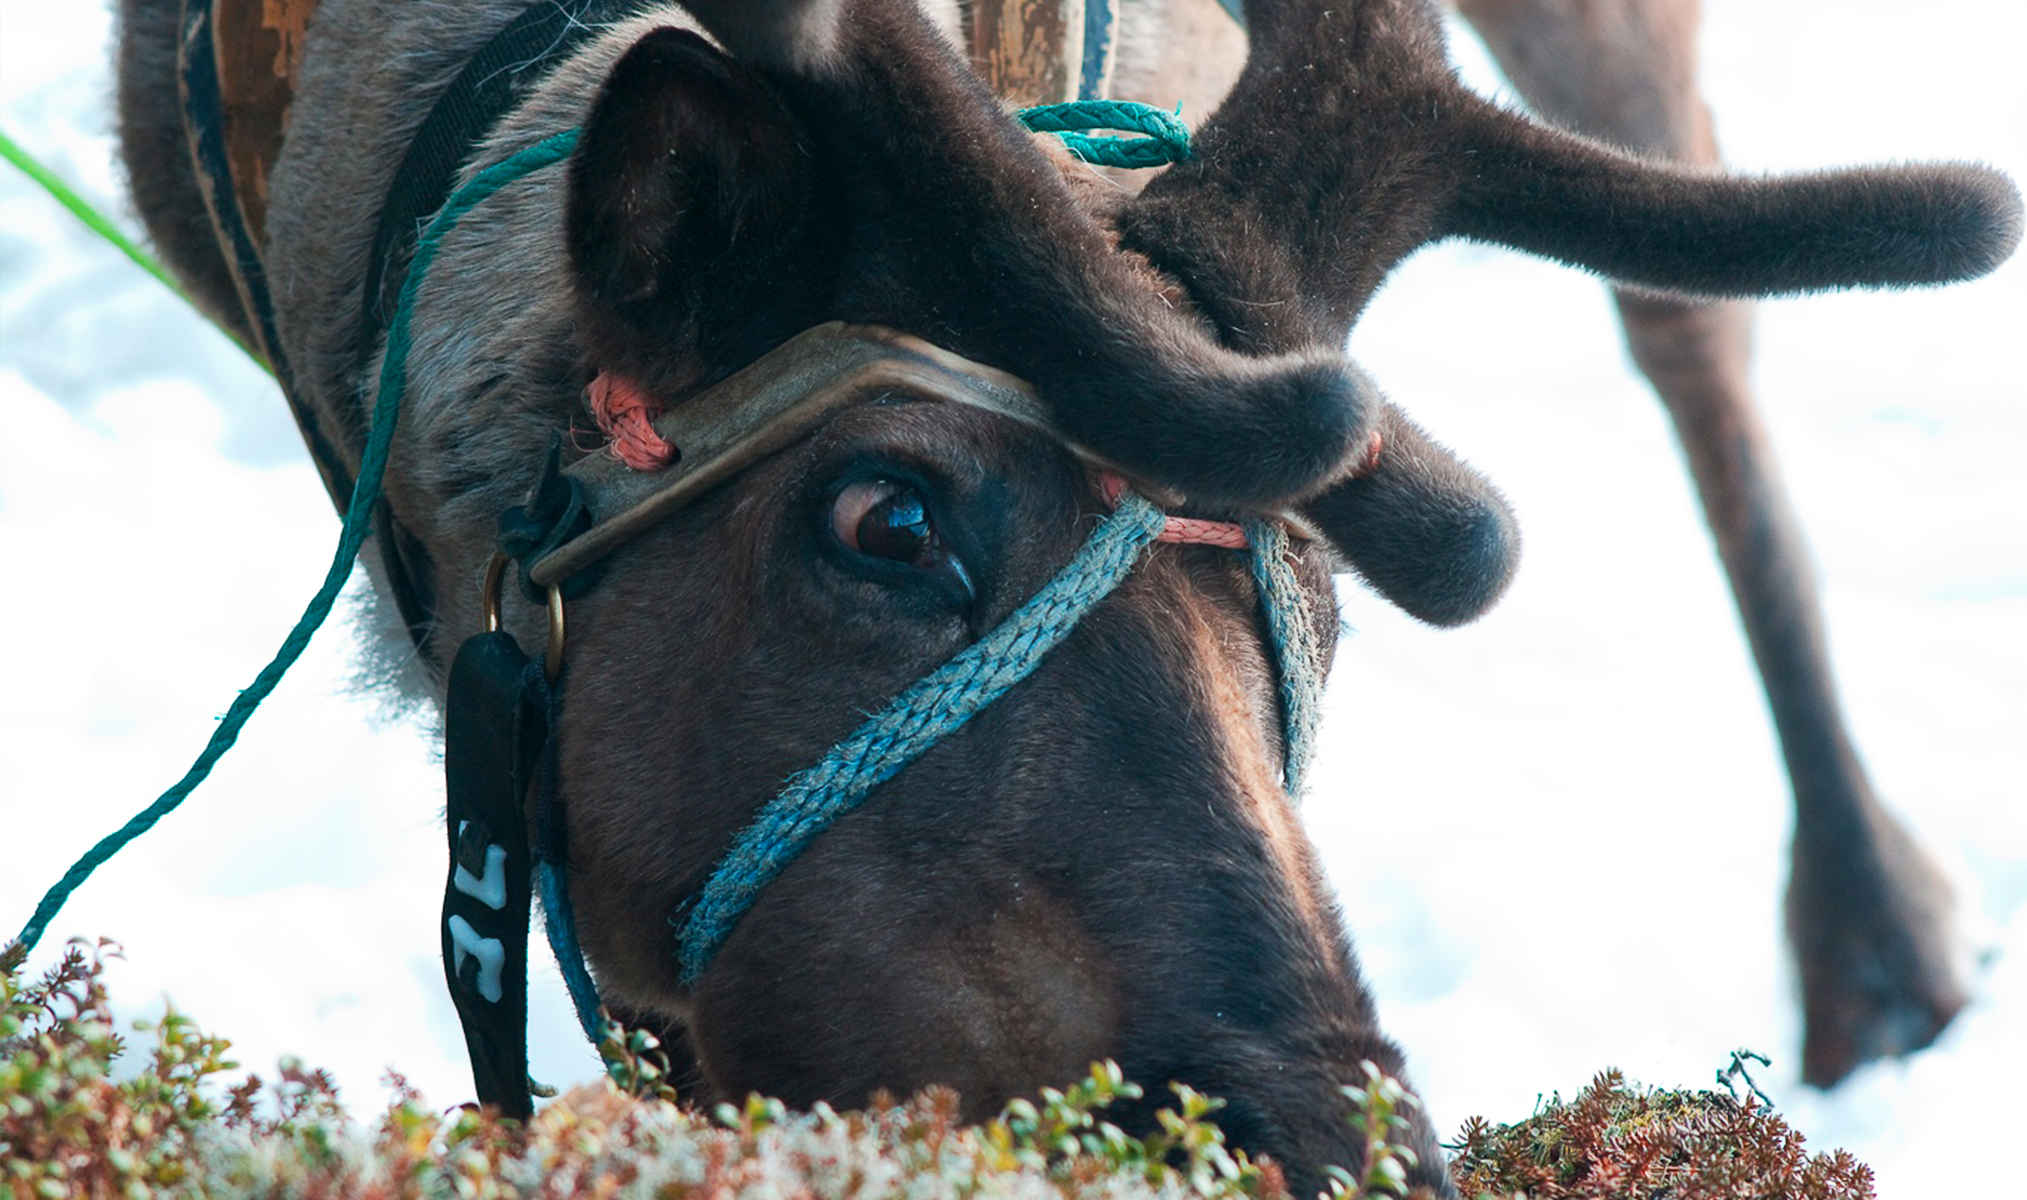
{"type": "Point", "coordinates": [693, 222]}
{"type": "Point", "coordinates": [1427, 531]}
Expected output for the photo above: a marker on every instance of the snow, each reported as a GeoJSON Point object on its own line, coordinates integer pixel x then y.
{"type": "Point", "coordinates": [1601, 732]}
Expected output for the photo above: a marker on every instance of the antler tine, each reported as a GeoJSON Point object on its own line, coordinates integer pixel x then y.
{"type": "Point", "coordinates": [1325, 166]}
{"type": "Point", "coordinates": [1348, 142]}
{"type": "Point", "coordinates": [1313, 179]}
{"type": "Point", "coordinates": [1685, 229]}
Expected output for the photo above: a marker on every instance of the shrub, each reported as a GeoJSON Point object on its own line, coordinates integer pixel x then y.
{"type": "Point", "coordinates": [1615, 1141]}
{"type": "Point", "coordinates": [70, 1127]}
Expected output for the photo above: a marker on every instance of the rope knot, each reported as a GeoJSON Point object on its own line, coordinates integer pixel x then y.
{"type": "Point", "coordinates": [625, 414]}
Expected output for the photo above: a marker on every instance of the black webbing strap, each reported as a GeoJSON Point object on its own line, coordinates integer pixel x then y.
{"type": "Point", "coordinates": [204, 123]}
{"type": "Point", "coordinates": [489, 85]}
{"type": "Point", "coordinates": [495, 728]}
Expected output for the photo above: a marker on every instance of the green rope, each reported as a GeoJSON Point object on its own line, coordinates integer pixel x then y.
{"type": "Point", "coordinates": [365, 494]}
{"type": "Point", "coordinates": [1165, 138]}
{"type": "Point", "coordinates": [100, 224]}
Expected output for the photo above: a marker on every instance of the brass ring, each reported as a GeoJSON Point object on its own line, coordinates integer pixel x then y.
{"type": "Point", "coordinates": [552, 658]}
{"type": "Point", "coordinates": [489, 597]}
{"type": "Point", "coordinates": [489, 607]}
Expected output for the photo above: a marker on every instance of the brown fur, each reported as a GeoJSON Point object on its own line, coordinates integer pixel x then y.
{"type": "Point", "coordinates": [1101, 863]}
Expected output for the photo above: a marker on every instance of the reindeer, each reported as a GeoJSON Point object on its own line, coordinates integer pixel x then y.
{"type": "Point", "coordinates": [1104, 862]}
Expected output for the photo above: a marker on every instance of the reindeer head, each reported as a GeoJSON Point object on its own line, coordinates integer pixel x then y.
{"type": "Point", "coordinates": [1104, 863]}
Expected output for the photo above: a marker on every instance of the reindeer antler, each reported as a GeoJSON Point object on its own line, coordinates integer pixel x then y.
{"type": "Point", "coordinates": [965, 232]}
{"type": "Point", "coordinates": [1348, 143]}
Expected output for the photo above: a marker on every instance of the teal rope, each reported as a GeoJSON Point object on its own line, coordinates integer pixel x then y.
{"type": "Point", "coordinates": [365, 494]}
{"type": "Point", "coordinates": [911, 723]}
{"type": "Point", "coordinates": [945, 699]}
{"type": "Point", "coordinates": [1165, 140]}
{"type": "Point", "coordinates": [1298, 656]}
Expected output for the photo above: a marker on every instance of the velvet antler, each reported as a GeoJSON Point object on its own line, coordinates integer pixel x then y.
{"type": "Point", "coordinates": [961, 230]}
{"type": "Point", "coordinates": [1348, 143]}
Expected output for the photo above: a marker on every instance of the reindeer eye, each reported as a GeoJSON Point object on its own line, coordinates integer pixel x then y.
{"type": "Point", "coordinates": [882, 519]}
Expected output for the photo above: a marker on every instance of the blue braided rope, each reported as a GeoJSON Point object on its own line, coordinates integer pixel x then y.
{"type": "Point", "coordinates": [1298, 656]}
{"type": "Point", "coordinates": [1165, 140]}
{"type": "Point", "coordinates": [365, 494]}
{"type": "Point", "coordinates": [911, 723]}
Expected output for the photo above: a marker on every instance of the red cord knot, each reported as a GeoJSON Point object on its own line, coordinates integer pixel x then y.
{"type": "Point", "coordinates": [625, 414]}
{"type": "Point", "coordinates": [1191, 531]}
{"type": "Point", "coordinates": [1373, 446]}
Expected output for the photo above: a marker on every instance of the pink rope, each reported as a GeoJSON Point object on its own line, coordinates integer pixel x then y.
{"type": "Point", "coordinates": [626, 415]}
{"type": "Point", "coordinates": [1192, 531]}
{"type": "Point", "coordinates": [1197, 532]}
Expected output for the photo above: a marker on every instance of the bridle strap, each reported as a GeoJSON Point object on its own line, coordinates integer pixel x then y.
{"type": "Point", "coordinates": [771, 404]}
{"type": "Point", "coordinates": [496, 726]}
{"type": "Point", "coordinates": [496, 78]}
{"type": "Point", "coordinates": [907, 726]}
{"type": "Point", "coordinates": [234, 108]}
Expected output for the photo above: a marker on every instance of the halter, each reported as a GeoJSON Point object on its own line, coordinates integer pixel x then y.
{"type": "Point", "coordinates": [598, 504]}
{"type": "Point", "coordinates": [779, 400]}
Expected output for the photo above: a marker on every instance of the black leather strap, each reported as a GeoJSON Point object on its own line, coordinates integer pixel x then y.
{"type": "Point", "coordinates": [495, 726]}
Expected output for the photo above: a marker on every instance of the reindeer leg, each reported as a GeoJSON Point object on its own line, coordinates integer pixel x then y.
{"type": "Point", "coordinates": [1868, 914]}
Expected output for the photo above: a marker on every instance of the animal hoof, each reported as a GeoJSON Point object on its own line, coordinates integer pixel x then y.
{"type": "Point", "coordinates": [1883, 969]}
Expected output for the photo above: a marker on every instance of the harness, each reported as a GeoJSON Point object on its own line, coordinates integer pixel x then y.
{"type": "Point", "coordinates": [237, 61]}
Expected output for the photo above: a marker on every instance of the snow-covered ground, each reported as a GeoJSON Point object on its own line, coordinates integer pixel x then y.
{"type": "Point", "coordinates": [1559, 832]}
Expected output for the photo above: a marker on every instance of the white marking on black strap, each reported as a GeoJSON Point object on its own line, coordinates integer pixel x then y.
{"type": "Point", "coordinates": [490, 887]}
{"type": "Point", "coordinates": [477, 959]}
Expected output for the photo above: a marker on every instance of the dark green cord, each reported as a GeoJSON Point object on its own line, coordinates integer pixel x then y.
{"type": "Point", "coordinates": [365, 493]}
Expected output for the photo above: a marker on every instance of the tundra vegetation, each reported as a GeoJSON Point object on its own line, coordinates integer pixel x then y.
{"type": "Point", "coordinates": [76, 1121]}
